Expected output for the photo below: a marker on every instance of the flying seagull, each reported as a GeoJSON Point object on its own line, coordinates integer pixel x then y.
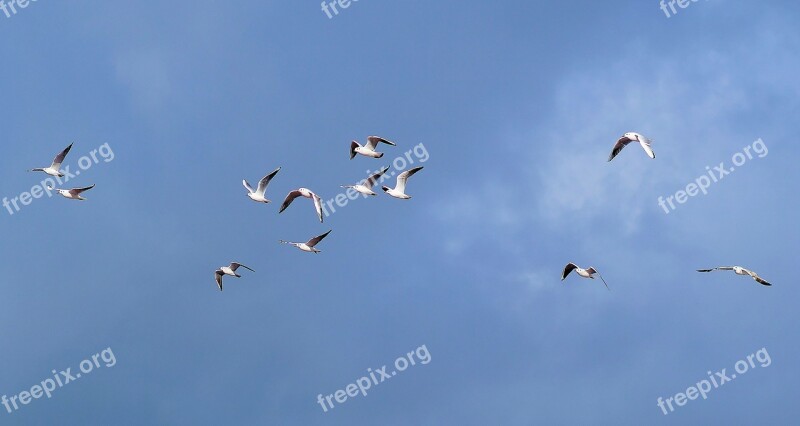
{"type": "Point", "coordinates": [632, 137]}
{"type": "Point", "coordinates": [303, 192]}
{"type": "Point", "coordinates": [72, 194]}
{"type": "Point", "coordinates": [258, 195]}
{"type": "Point", "coordinates": [228, 270]}
{"type": "Point", "coordinates": [399, 190]}
{"type": "Point", "coordinates": [55, 168]}
{"type": "Point", "coordinates": [309, 246]}
{"type": "Point", "coordinates": [365, 187]}
{"type": "Point", "coordinates": [368, 150]}
{"type": "Point", "coordinates": [739, 271]}
{"type": "Point", "coordinates": [585, 273]}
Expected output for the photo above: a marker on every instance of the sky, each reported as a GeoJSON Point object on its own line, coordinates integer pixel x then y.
{"type": "Point", "coordinates": [516, 105]}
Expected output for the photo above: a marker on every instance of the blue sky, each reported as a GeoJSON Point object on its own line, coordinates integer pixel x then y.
{"type": "Point", "coordinates": [518, 104]}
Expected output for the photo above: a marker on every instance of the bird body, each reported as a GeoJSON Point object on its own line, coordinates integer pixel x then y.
{"type": "Point", "coordinates": [72, 194]}
{"type": "Point", "coordinates": [399, 191]}
{"type": "Point", "coordinates": [369, 149]}
{"type": "Point", "coordinates": [55, 168]}
{"type": "Point", "coordinates": [258, 195]}
{"type": "Point", "coordinates": [362, 189]}
{"type": "Point", "coordinates": [738, 270]}
{"type": "Point", "coordinates": [632, 137]}
{"type": "Point", "coordinates": [366, 186]}
{"type": "Point", "coordinates": [308, 246]}
{"type": "Point", "coordinates": [228, 270]}
{"type": "Point", "coordinates": [585, 273]}
{"type": "Point", "coordinates": [306, 193]}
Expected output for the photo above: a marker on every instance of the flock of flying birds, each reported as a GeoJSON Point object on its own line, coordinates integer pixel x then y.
{"type": "Point", "coordinates": [645, 143]}
{"type": "Point", "coordinates": [259, 194]}
{"type": "Point", "coordinates": [365, 187]}
{"type": "Point", "coordinates": [55, 171]}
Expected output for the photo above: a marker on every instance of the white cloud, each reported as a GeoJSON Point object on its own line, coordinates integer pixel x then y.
{"type": "Point", "coordinates": [689, 105]}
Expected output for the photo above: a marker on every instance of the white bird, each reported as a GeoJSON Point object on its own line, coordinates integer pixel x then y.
{"type": "Point", "coordinates": [585, 273]}
{"type": "Point", "coordinates": [303, 192]}
{"type": "Point", "coordinates": [368, 150]}
{"type": "Point", "coordinates": [72, 194]}
{"type": "Point", "coordinates": [309, 246]}
{"type": "Point", "coordinates": [365, 187]}
{"type": "Point", "coordinates": [258, 195]}
{"type": "Point", "coordinates": [55, 168]}
{"type": "Point", "coordinates": [399, 190]}
{"type": "Point", "coordinates": [228, 270]}
{"type": "Point", "coordinates": [739, 271]}
{"type": "Point", "coordinates": [632, 137]}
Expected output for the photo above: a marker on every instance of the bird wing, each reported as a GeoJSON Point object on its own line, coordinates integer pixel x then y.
{"type": "Point", "coordinates": [645, 143]}
{"type": "Point", "coordinates": [353, 146]}
{"type": "Point", "coordinates": [621, 143]}
{"type": "Point", "coordinates": [403, 178]}
{"type": "Point", "coordinates": [567, 269]}
{"type": "Point", "coordinates": [314, 241]}
{"type": "Point", "coordinates": [247, 185]}
{"type": "Point", "coordinates": [289, 198]}
{"type": "Point", "coordinates": [756, 277]}
{"type": "Point", "coordinates": [317, 205]}
{"type": "Point", "coordinates": [218, 276]}
{"type": "Point", "coordinates": [77, 191]}
{"type": "Point", "coordinates": [719, 268]}
{"type": "Point", "coordinates": [373, 141]}
{"type": "Point", "coordinates": [591, 270]}
{"type": "Point", "coordinates": [262, 185]}
{"type": "Point", "coordinates": [761, 281]}
{"type": "Point", "coordinates": [236, 265]}
{"type": "Point", "coordinates": [369, 183]}
{"type": "Point", "coordinates": [60, 158]}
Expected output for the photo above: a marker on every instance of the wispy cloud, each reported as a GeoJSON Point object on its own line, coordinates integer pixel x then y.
{"type": "Point", "coordinates": [687, 110]}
